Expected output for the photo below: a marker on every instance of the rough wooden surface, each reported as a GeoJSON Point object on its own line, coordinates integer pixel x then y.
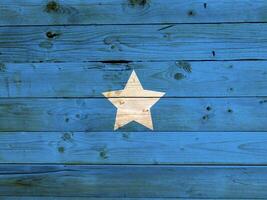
{"type": "Point", "coordinates": [134, 148]}
{"type": "Point", "coordinates": [58, 56]}
{"type": "Point", "coordinates": [83, 198]}
{"type": "Point", "coordinates": [134, 43]}
{"type": "Point", "coordinates": [134, 181]}
{"type": "Point", "coordinates": [89, 198]}
{"type": "Point", "coordinates": [175, 78]}
{"type": "Point", "coordinates": [169, 114]}
{"type": "Point", "coordinates": [133, 108]}
{"type": "Point", "coordinates": [40, 12]}
{"type": "Point", "coordinates": [98, 198]}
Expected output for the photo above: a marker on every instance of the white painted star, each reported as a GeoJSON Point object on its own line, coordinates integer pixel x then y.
{"type": "Point", "coordinates": [133, 103]}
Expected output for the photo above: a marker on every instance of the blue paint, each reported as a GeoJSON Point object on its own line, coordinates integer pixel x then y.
{"type": "Point", "coordinates": [208, 56]}
{"type": "Point", "coordinates": [176, 78]}
{"type": "Point", "coordinates": [98, 114]}
{"type": "Point", "coordinates": [134, 43]}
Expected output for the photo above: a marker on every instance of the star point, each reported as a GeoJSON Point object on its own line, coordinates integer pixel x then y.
{"type": "Point", "coordinates": [133, 103]}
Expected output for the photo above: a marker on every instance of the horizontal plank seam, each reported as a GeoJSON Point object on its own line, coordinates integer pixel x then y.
{"type": "Point", "coordinates": [129, 198]}
{"type": "Point", "coordinates": [134, 132]}
{"type": "Point", "coordinates": [141, 165]}
{"type": "Point", "coordinates": [138, 61]}
{"type": "Point", "coordinates": [135, 24]}
{"type": "Point", "coordinates": [138, 132]}
{"type": "Point", "coordinates": [167, 97]}
{"type": "Point", "coordinates": [126, 198]}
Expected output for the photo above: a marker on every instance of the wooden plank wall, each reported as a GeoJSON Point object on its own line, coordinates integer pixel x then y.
{"type": "Point", "coordinates": [57, 139]}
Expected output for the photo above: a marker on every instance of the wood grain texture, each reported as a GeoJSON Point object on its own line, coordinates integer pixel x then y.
{"type": "Point", "coordinates": [134, 107]}
{"type": "Point", "coordinates": [176, 79]}
{"type": "Point", "coordinates": [134, 181]}
{"type": "Point", "coordinates": [89, 198]}
{"type": "Point", "coordinates": [76, 198]}
{"type": "Point", "coordinates": [84, 198]}
{"type": "Point", "coordinates": [58, 56]}
{"type": "Point", "coordinates": [134, 43]}
{"type": "Point", "coordinates": [130, 11]}
{"type": "Point", "coordinates": [169, 114]}
{"type": "Point", "coordinates": [134, 148]}
{"type": "Point", "coordinates": [95, 198]}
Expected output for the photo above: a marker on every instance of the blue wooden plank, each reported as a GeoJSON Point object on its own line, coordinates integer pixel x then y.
{"type": "Point", "coordinates": [79, 198]}
{"type": "Point", "coordinates": [244, 148]}
{"type": "Point", "coordinates": [176, 78]}
{"type": "Point", "coordinates": [130, 11]}
{"type": "Point", "coordinates": [120, 44]}
{"type": "Point", "coordinates": [134, 43]}
{"type": "Point", "coordinates": [169, 114]}
{"type": "Point", "coordinates": [134, 181]}
{"type": "Point", "coordinates": [96, 198]}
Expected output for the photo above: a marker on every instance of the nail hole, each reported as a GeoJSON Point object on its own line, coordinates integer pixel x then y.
{"type": "Point", "coordinates": [51, 35]}
{"type": "Point", "coordinates": [263, 101]}
{"type": "Point", "coordinates": [208, 108]}
{"type": "Point", "coordinates": [205, 117]}
{"type": "Point", "coordinates": [103, 154]}
{"type": "Point", "coordinates": [191, 13]}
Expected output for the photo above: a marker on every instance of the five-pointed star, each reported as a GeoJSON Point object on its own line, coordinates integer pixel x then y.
{"type": "Point", "coordinates": [133, 103]}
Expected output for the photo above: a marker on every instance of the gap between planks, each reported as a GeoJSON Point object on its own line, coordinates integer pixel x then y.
{"type": "Point", "coordinates": [137, 24]}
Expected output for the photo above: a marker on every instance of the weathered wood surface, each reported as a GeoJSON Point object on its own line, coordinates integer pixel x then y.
{"type": "Point", "coordinates": [169, 114]}
{"type": "Point", "coordinates": [89, 198]}
{"type": "Point", "coordinates": [134, 181]}
{"type": "Point", "coordinates": [85, 198]}
{"type": "Point", "coordinates": [134, 43]}
{"type": "Point", "coordinates": [95, 198]}
{"type": "Point", "coordinates": [199, 52]}
{"type": "Point", "coordinates": [134, 148]}
{"type": "Point", "coordinates": [40, 12]}
{"type": "Point", "coordinates": [176, 79]}
{"type": "Point", "coordinates": [81, 198]}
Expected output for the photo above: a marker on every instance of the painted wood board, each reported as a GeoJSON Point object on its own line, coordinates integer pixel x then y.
{"type": "Point", "coordinates": [133, 43]}
{"type": "Point", "coordinates": [246, 148]}
{"type": "Point", "coordinates": [130, 11]}
{"type": "Point", "coordinates": [57, 138]}
{"type": "Point", "coordinates": [94, 198]}
{"type": "Point", "coordinates": [78, 198]}
{"type": "Point", "coordinates": [175, 78]}
{"type": "Point", "coordinates": [169, 114]}
{"type": "Point", "coordinates": [134, 181]}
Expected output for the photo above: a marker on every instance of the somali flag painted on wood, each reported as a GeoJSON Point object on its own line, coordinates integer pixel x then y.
{"type": "Point", "coordinates": [133, 99]}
